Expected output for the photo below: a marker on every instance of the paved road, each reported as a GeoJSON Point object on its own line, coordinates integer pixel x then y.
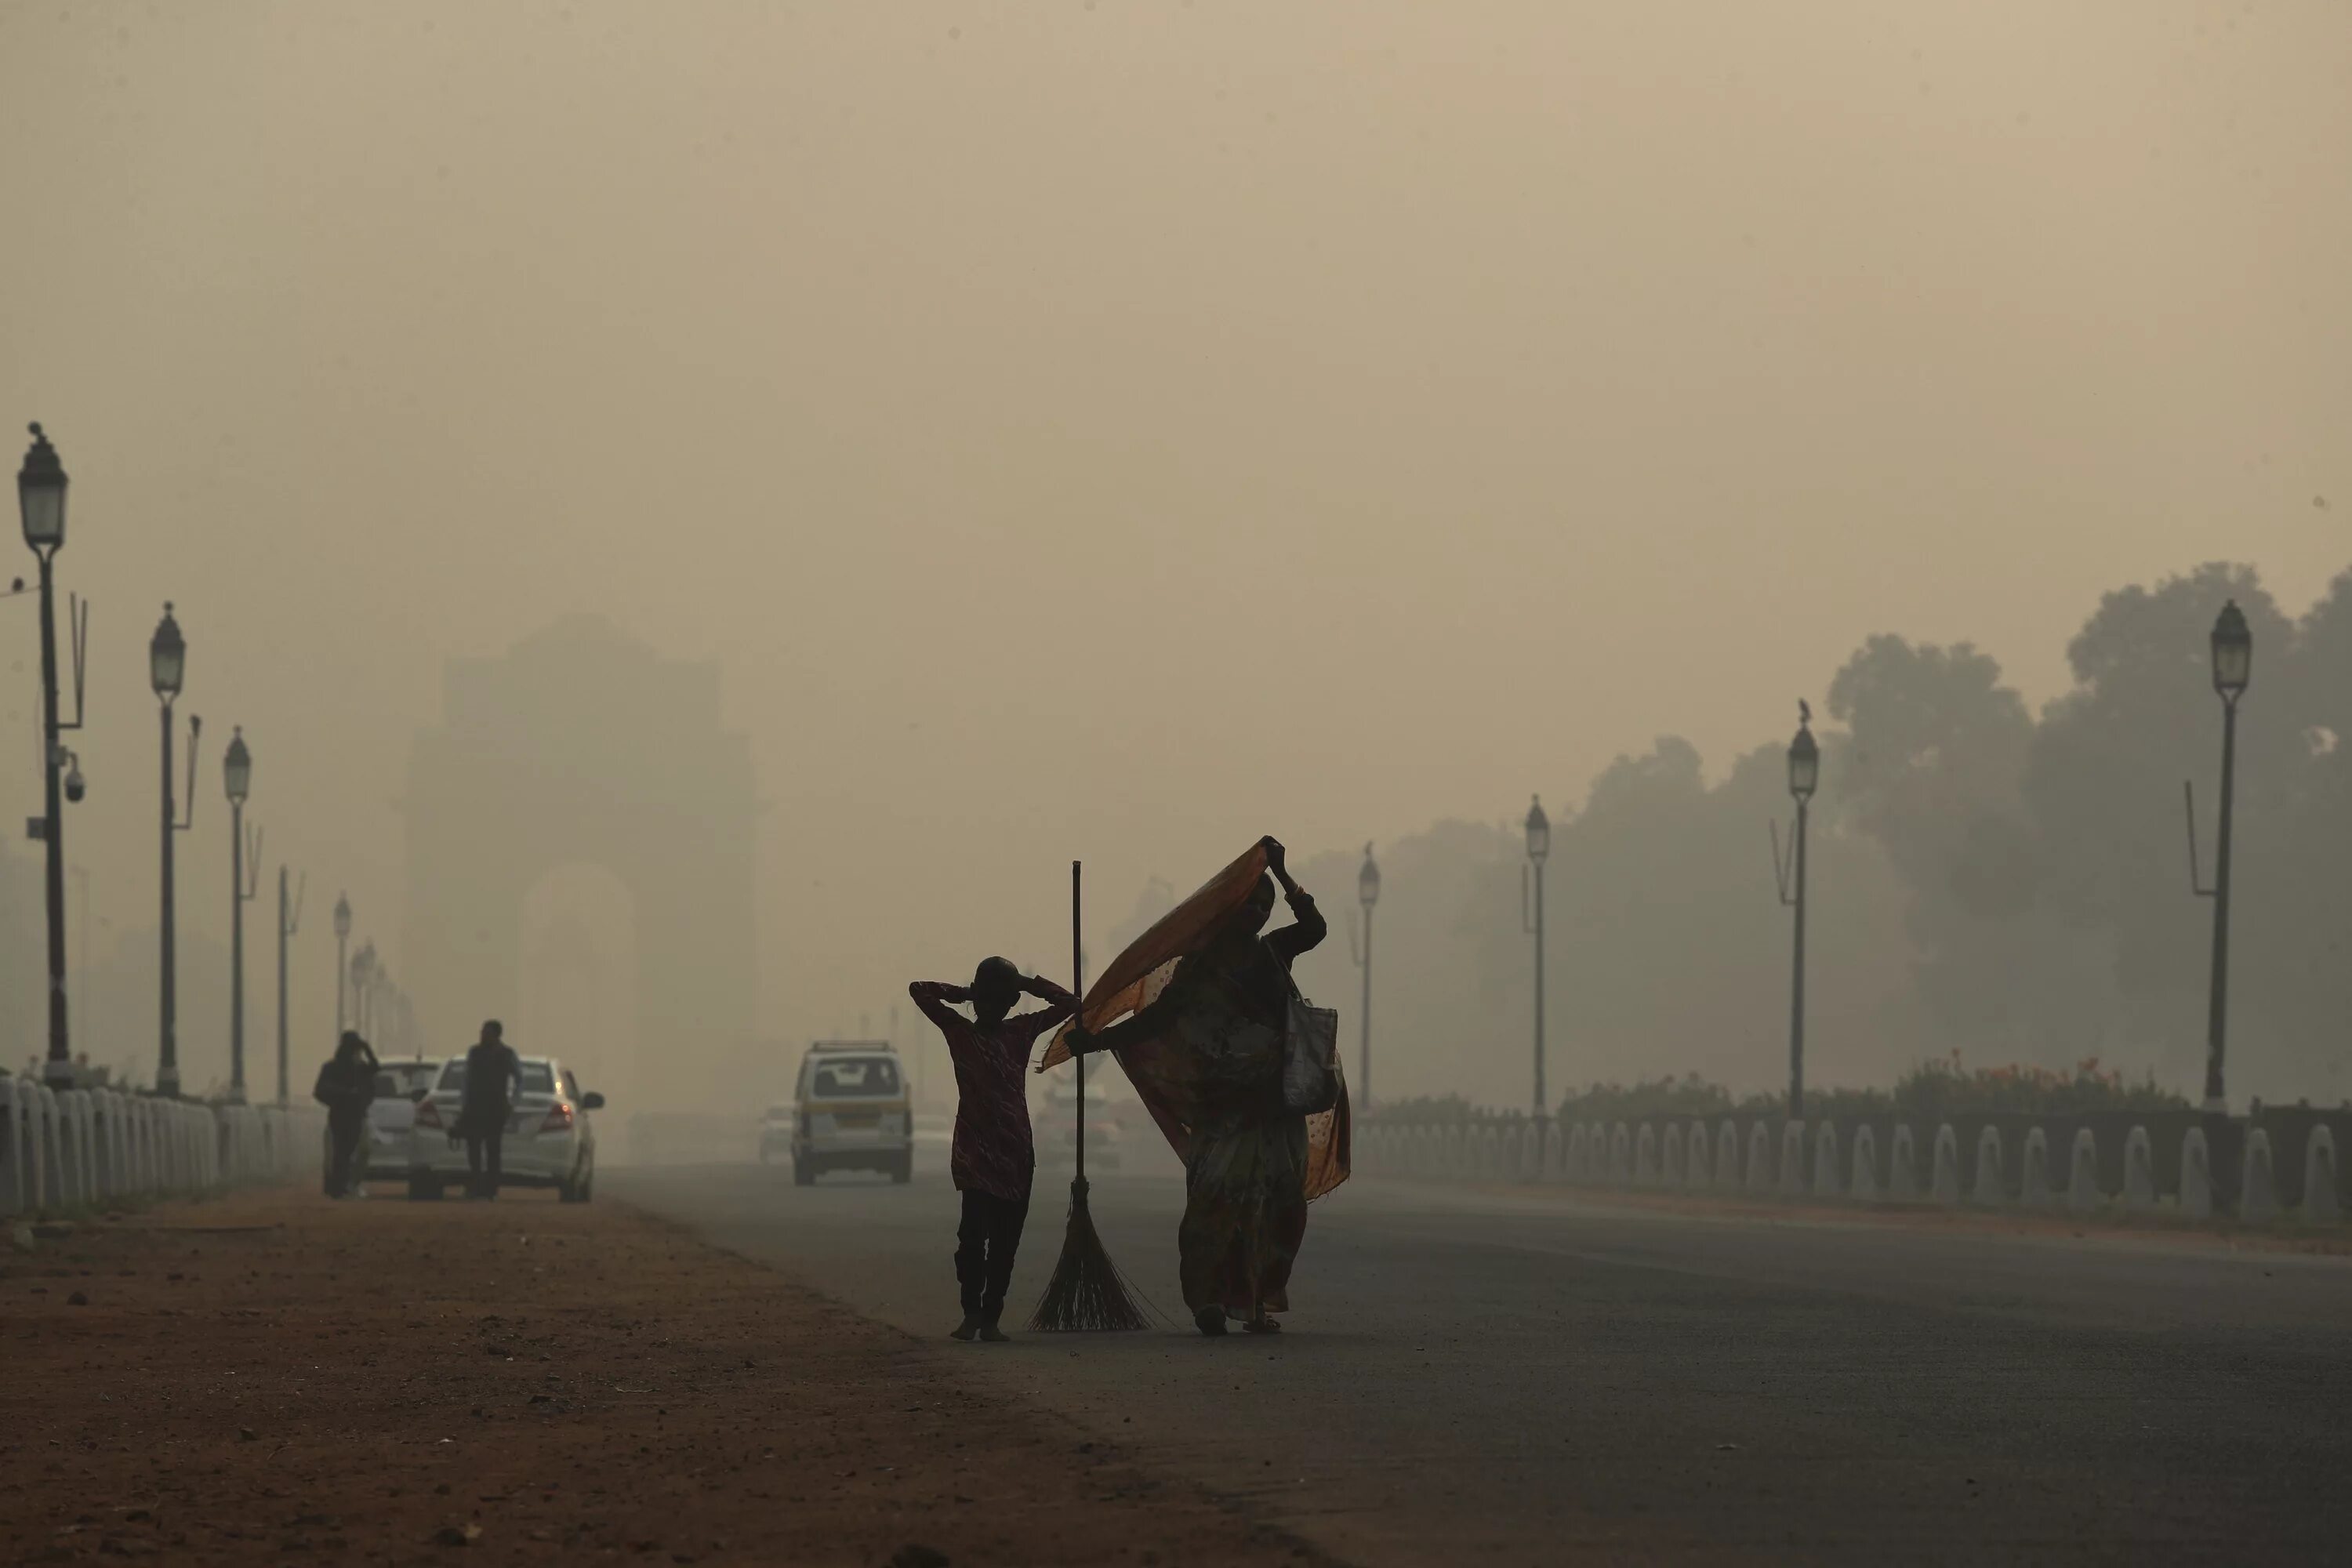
{"type": "Point", "coordinates": [1527, 1380]}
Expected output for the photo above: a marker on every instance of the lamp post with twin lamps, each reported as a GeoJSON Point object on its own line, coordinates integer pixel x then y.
{"type": "Point", "coordinates": [41, 500]}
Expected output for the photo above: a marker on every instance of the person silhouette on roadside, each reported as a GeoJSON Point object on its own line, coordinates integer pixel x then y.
{"type": "Point", "coordinates": [994, 1159]}
{"type": "Point", "coordinates": [346, 1087]}
{"type": "Point", "coordinates": [493, 1080]}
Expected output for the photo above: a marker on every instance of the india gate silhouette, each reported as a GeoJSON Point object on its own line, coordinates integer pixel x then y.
{"type": "Point", "coordinates": [581, 746]}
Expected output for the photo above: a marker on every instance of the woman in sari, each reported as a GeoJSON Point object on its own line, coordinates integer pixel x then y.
{"type": "Point", "coordinates": [1219, 1026]}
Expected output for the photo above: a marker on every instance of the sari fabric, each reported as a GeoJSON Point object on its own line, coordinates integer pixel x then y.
{"type": "Point", "coordinates": [1200, 1035]}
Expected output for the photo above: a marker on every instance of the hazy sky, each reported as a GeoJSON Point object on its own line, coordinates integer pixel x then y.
{"type": "Point", "coordinates": [1114, 430]}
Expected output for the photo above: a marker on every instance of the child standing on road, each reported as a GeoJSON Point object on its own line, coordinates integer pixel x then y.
{"type": "Point", "coordinates": [994, 1160]}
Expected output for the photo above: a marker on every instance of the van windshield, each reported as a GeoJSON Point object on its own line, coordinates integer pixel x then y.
{"type": "Point", "coordinates": [859, 1078]}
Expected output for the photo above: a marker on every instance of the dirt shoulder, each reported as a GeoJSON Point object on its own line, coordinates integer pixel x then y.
{"type": "Point", "coordinates": [274, 1378]}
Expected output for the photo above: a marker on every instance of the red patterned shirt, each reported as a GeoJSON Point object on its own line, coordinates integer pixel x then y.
{"type": "Point", "coordinates": [994, 1152]}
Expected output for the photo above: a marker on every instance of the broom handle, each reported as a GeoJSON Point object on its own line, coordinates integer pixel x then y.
{"type": "Point", "coordinates": [1078, 989]}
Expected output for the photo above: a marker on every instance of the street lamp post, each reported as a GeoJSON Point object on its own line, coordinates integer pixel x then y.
{"type": "Point", "coordinates": [167, 669]}
{"type": "Point", "coordinates": [41, 500]}
{"type": "Point", "coordinates": [2233, 668]}
{"type": "Point", "coordinates": [343, 940]}
{"type": "Point", "coordinates": [289, 922]}
{"type": "Point", "coordinates": [1368, 893]}
{"type": "Point", "coordinates": [236, 775]}
{"type": "Point", "coordinates": [362, 969]}
{"type": "Point", "coordinates": [1804, 776]}
{"type": "Point", "coordinates": [1538, 849]}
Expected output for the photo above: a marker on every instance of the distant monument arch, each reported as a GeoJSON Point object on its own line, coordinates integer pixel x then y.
{"type": "Point", "coordinates": [581, 745]}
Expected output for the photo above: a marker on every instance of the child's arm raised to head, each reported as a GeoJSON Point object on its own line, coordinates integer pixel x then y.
{"type": "Point", "coordinates": [937, 999]}
{"type": "Point", "coordinates": [1059, 1004]}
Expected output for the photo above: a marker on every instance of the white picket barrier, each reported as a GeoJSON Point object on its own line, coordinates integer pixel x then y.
{"type": "Point", "coordinates": [73, 1147]}
{"type": "Point", "coordinates": [1865, 1187]}
{"type": "Point", "coordinates": [2196, 1176]}
{"type": "Point", "coordinates": [1697, 1166]}
{"type": "Point", "coordinates": [2319, 1201]}
{"type": "Point", "coordinates": [2034, 1180]}
{"type": "Point", "coordinates": [47, 1145]}
{"type": "Point", "coordinates": [16, 1158]}
{"type": "Point", "coordinates": [1825, 1163]}
{"type": "Point", "coordinates": [2083, 1193]}
{"type": "Point", "coordinates": [1902, 1165]}
{"type": "Point", "coordinates": [1944, 1185]}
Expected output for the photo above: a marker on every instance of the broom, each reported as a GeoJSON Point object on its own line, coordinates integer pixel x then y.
{"type": "Point", "coordinates": [1086, 1291]}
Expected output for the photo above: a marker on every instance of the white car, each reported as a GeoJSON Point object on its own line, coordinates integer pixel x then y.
{"type": "Point", "coordinates": [384, 1148]}
{"type": "Point", "coordinates": [551, 1140]}
{"type": "Point", "coordinates": [851, 1113]}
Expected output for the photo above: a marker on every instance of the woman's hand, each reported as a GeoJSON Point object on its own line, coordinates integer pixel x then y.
{"type": "Point", "coordinates": [1276, 862]}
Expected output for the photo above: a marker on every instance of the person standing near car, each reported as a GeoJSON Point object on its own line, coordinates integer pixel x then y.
{"type": "Point", "coordinates": [346, 1087]}
{"type": "Point", "coordinates": [493, 1080]}
{"type": "Point", "coordinates": [993, 1158]}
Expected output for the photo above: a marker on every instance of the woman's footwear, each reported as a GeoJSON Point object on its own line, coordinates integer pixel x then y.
{"type": "Point", "coordinates": [1262, 1324]}
{"type": "Point", "coordinates": [1210, 1320]}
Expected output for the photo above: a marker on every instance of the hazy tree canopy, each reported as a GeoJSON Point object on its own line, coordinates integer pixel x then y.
{"type": "Point", "coordinates": [2011, 886]}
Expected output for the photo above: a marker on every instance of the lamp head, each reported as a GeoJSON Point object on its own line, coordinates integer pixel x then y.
{"type": "Point", "coordinates": [237, 768]}
{"type": "Point", "coordinates": [167, 657]}
{"type": "Point", "coordinates": [41, 495]}
{"type": "Point", "coordinates": [2233, 652]}
{"type": "Point", "coordinates": [1804, 763]}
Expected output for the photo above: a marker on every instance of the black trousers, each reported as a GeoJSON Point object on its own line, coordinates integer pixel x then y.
{"type": "Point", "coordinates": [482, 1151]}
{"type": "Point", "coordinates": [985, 1244]}
{"type": "Point", "coordinates": [344, 1131]}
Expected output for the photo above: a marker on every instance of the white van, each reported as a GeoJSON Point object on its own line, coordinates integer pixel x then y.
{"type": "Point", "coordinates": [851, 1112]}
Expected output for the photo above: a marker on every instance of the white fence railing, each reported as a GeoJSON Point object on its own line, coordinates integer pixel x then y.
{"type": "Point", "coordinates": [74, 1148]}
{"type": "Point", "coordinates": [2281, 1164]}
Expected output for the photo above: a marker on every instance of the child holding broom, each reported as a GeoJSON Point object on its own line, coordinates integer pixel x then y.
{"type": "Point", "coordinates": [994, 1160]}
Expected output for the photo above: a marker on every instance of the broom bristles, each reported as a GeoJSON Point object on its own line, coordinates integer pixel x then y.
{"type": "Point", "coordinates": [1086, 1291]}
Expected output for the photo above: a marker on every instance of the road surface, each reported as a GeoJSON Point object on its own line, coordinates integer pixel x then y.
{"type": "Point", "coordinates": [1529, 1380]}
